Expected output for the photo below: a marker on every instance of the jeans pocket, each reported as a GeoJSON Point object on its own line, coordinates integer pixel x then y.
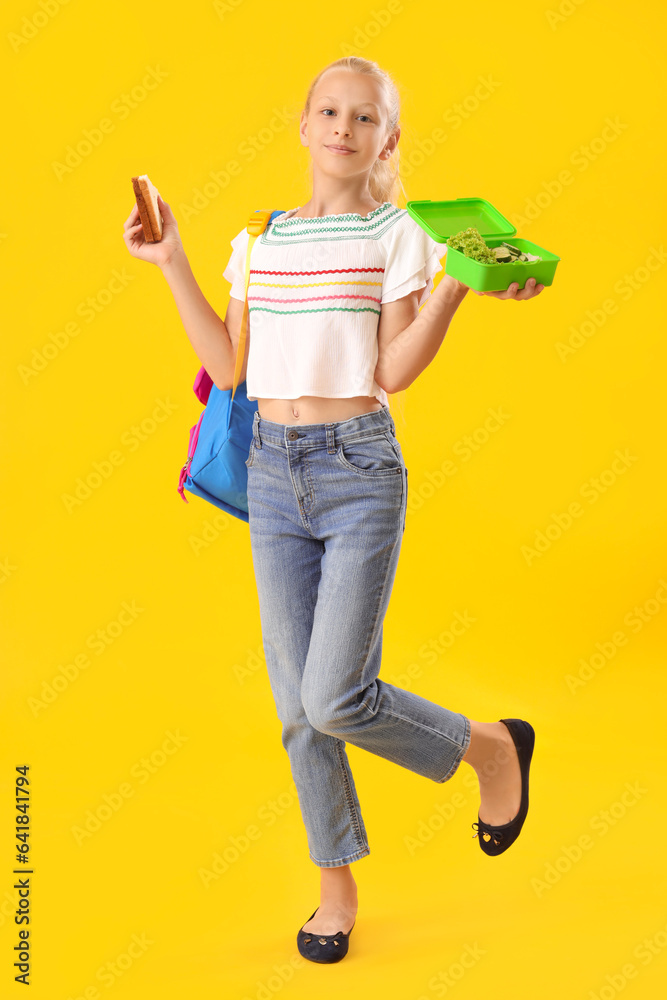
{"type": "Point", "coordinates": [371, 456]}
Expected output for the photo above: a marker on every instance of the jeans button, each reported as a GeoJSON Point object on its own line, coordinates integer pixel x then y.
{"type": "Point", "coordinates": [292, 435]}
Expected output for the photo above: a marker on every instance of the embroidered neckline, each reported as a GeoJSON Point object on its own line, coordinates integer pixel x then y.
{"type": "Point", "coordinates": [342, 215]}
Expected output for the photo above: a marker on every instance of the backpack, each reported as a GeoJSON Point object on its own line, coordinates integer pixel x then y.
{"type": "Point", "coordinates": [219, 443]}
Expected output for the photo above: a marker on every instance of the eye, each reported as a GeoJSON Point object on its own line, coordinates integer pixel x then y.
{"type": "Point", "coordinates": [324, 110]}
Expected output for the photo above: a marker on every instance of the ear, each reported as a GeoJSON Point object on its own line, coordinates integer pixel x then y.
{"type": "Point", "coordinates": [303, 126]}
{"type": "Point", "coordinates": [391, 143]}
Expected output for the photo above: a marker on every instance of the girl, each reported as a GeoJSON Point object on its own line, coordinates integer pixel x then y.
{"type": "Point", "coordinates": [334, 304]}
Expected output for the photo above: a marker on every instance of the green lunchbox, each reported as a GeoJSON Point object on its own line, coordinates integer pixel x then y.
{"type": "Point", "coordinates": [442, 219]}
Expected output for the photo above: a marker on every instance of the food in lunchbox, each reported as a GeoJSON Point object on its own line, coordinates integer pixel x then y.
{"type": "Point", "coordinates": [507, 254]}
{"type": "Point", "coordinates": [470, 243]}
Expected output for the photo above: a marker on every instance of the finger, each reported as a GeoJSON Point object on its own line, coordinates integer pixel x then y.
{"type": "Point", "coordinates": [133, 213]}
{"type": "Point", "coordinates": [133, 234]}
{"type": "Point", "coordinates": [528, 291]}
{"type": "Point", "coordinates": [522, 293]}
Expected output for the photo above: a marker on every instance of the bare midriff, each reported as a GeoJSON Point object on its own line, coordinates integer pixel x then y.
{"type": "Point", "coordinates": [316, 409]}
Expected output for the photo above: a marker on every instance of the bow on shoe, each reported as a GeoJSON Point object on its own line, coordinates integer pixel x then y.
{"type": "Point", "coordinates": [325, 938]}
{"type": "Point", "coordinates": [482, 828]}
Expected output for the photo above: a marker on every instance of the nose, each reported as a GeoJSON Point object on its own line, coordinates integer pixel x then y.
{"type": "Point", "coordinates": [342, 127]}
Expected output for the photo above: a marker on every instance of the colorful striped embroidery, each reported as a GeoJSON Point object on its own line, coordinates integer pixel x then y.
{"type": "Point", "coordinates": [303, 230]}
{"type": "Point", "coordinates": [346, 215]}
{"type": "Point", "coordinates": [337, 270]}
{"type": "Point", "coordinates": [253, 298]}
{"type": "Point", "coordinates": [287, 312]}
{"type": "Point", "coordinates": [310, 284]}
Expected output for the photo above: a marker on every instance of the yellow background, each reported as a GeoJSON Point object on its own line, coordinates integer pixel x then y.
{"type": "Point", "coordinates": [541, 920]}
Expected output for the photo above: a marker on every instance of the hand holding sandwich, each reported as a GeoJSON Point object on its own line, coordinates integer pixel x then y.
{"type": "Point", "coordinates": [161, 252]}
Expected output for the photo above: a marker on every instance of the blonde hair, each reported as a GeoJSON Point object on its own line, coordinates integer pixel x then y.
{"type": "Point", "coordinates": [384, 182]}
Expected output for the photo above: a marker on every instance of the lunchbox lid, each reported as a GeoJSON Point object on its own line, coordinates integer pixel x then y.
{"type": "Point", "coordinates": [442, 219]}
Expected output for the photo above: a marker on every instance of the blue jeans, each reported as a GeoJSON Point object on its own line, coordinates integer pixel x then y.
{"type": "Point", "coordinates": [327, 506]}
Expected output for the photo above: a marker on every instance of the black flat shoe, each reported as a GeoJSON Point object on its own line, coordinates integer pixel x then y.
{"type": "Point", "coordinates": [323, 947]}
{"type": "Point", "coordinates": [495, 840]}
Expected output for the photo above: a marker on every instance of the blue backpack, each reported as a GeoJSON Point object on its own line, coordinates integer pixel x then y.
{"type": "Point", "coordinates": [220, 440]}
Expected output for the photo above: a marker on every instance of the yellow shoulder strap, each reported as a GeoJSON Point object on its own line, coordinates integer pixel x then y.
{"type": "Point", "coordinates": [256, 225]}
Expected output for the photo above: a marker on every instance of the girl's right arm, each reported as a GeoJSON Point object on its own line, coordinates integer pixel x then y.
{"type": "Point", "coordinates": [213, 340]}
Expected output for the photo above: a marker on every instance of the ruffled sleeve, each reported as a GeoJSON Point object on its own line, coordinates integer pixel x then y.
{"type": "Point", "coordinates": [413, 260]}
{"type": "Point", "coordinates": [235, 270]}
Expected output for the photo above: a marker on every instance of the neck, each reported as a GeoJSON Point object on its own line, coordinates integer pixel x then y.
{"type": "Point", "coordinates": [336, 199]}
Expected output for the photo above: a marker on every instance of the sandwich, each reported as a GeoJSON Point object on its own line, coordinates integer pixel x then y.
{"type": "Point", "coordinates": [149, 213]}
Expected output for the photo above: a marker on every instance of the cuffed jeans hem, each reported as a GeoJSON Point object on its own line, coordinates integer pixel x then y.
{"type": "Point", "coordinates": [342, 861]}
{"type": "Point", "coordinates": [462, 752]}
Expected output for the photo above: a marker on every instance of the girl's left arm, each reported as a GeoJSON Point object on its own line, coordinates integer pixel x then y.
{"type": "Point", "coordinates": [408, 340]}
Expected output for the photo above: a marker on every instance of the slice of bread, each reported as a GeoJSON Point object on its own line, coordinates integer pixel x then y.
{"type": "Point", "coordinates": [149, 213]}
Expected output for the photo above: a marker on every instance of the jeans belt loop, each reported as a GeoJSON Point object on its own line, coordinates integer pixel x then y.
{"type": "Point", "coordinates": [331, 443]}
{"type": "Point", "coordinates": [255, 430]}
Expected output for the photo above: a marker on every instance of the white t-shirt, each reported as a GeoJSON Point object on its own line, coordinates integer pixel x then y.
{"type": "Point", "coordinates": [315, 293]}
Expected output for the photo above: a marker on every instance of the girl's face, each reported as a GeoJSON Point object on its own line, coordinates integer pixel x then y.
{"type": "Point", "coordinates": [347, 109]}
